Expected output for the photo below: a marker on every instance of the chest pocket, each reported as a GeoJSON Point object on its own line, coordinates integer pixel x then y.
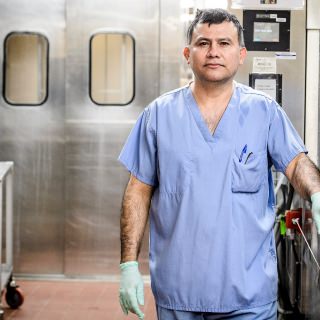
{"type": "Point", "coordinates": [174, 172]}
{"type": "Point", "coordinates": [248, 176]}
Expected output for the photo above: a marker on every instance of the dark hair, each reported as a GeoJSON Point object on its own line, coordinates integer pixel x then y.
{"type": "Point", "coordinates": [215, 16]}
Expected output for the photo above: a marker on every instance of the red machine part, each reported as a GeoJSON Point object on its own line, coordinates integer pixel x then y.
{"type": "Point", "coordinates": [297, 214]}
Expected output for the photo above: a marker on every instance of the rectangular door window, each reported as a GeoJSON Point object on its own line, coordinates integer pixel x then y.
{"type": "Point", "coordinates": [112, 69]}
{"type": "Point", "coordinates": [25, 69]}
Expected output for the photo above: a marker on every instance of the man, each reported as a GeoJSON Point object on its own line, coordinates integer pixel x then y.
{"type": "Point", "coordinates": [200, 160]}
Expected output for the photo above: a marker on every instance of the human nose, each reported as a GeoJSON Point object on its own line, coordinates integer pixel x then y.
{"type": "Point", "coordinates": [213, 51]}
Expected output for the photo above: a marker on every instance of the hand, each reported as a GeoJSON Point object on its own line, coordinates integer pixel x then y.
{"type": "Point", "coordinates": [131, 288]}
{"type": "Point", "coordinates": [315, 199]}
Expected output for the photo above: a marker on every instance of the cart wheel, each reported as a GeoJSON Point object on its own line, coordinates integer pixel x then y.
{"type": "Point", "coordinates": [14, 297]}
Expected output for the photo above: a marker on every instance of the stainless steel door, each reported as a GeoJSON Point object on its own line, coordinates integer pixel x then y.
{"type": "Point", "coordinates": [33, 137]}
{"type": "Point", "coordinates": [68, 183]}
{"type": "Point", "coordinates": [95, 134]}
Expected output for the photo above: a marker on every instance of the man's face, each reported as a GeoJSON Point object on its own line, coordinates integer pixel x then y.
{"type": "Point", "coordinates": [214, 54]}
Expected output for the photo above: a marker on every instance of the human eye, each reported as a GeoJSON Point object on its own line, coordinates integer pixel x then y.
{"type": "Point", "coordinates": [224, 43]}
{"type": "Point", "coordinates": [203, 43]}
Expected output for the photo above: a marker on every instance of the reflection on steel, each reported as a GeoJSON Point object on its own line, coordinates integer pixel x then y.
{"type": "Point", "coordinates": [296, 221]}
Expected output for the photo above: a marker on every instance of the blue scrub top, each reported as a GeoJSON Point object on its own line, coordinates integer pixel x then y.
{"type": "Point", "coordinates": [212, 212]}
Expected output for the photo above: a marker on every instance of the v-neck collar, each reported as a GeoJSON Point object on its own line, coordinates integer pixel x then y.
{"type": "Point", "coordinates": [195, 110]}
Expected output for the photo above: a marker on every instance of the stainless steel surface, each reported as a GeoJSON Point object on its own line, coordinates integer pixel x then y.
{"type": "Point", "coordinates": [171, 42]}
{"type": "Point", "coordinates": [33, 137]}
{"type": "Point", "coordinates": [95, 134]}
{"type": "Point", "coordinates": [68, 182]}
{"type": "Point", "coordinates": [296, 221]}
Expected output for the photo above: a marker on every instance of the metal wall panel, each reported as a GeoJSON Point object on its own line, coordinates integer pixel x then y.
{"type": "Point", "coordinates": [293, 71]}
{"type": "Point", "coordinates": [171, 45]}
{"type": "Point", "coordinates": [95, 134]}
{"type": "Point", "coordinates": [33, 137]}
{"type": "Point", "coordinates": [68, 182]}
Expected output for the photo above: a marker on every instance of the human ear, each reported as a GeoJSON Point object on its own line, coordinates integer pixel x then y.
{"type": "Point", "coordinates": [243, 54]}
{"type": "Point", "coordinates": [186, 53]}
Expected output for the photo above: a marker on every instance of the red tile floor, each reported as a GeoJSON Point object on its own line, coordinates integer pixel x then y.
{"type": "Point", "coordinates": [73, 300]}
{"type": "Point", "coordinates": [77, 300]}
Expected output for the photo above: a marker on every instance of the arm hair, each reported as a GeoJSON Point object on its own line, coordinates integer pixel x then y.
{"type": "Point", "coordinates": [303, 175]}
{"type": "Point", "coordinates": [134, 216]}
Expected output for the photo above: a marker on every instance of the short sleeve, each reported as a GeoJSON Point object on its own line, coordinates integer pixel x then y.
{"type": "Point", "coordinates": [284, 142]}
{"type": "Point", "coordinates": [139, 152]}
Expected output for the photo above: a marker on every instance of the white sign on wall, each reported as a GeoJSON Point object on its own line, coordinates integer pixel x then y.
{"type": "Point", "coordinates": [268, 86]}
{"type": "Point", "coordinates": [264, 65]}
{"type": "Point", "coordinates": [268, 4]}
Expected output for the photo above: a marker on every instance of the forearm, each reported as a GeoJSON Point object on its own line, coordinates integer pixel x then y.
{"type": "Point", "coordinates": [134, 216]}
{"type": "Point", "coordinates": [304, 176]}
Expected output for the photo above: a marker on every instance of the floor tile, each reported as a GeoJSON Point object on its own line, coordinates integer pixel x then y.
{"type": "Point", "coordinates": [73, 300]}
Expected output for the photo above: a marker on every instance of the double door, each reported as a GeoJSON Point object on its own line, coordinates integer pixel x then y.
{"type": "Point", "coordinates": [76, 76]}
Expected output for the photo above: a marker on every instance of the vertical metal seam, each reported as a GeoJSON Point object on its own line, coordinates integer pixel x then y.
{"type": "Point", "coordinates": [159, 48]}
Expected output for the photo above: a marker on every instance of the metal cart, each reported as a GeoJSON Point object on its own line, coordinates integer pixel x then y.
{"type": "Point", "coordinates": [13, 294]}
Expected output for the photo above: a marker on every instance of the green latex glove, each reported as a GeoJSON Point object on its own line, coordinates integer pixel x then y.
{"type": "Point", "coordinates": [315, 199]}
{"type": "Point", "coordinates": [131, 288]}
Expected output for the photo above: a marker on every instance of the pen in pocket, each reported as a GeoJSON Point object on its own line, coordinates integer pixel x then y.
{"type": "Point", "coordinates": [249, 155]}
{"type": "Point", "coordinates": [244, 150]}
